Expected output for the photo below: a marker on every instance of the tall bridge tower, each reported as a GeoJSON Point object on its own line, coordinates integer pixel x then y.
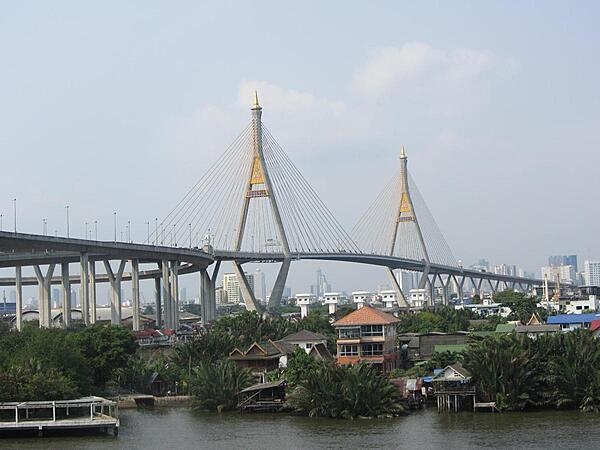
{"type": "Point", "coordinates": [259, 185]}
{"type": "Point", "coordinates": [399, 224]}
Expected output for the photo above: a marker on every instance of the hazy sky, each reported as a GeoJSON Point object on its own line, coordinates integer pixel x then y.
{"type": "Point", "coordinates": [121, 106]}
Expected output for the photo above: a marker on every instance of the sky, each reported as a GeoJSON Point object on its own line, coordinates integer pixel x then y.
{"type": "Point", "coordinates": [122, 106]}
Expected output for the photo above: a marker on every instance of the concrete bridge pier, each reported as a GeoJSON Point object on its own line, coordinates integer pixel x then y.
{"type": "Point", "coordinates": [208, 308]}
{"type": "Point", "coordinates": [174, 294]}
{"type": "Point", "coordinates": [19, 300]}
{"type": "Point", "coordinates": [85, 287]}
{"type": "Point", "coordinates": [445, 289]}
{"type": "Point", "coordinates": [66, 294]}
{"type": "Point", "coordinates": [279, 286]}
{"type": "Point", "coordinates": [166, 295]}
{"type": "Point", "coordinates": [115, 283]}
{"type": "Point", "coordinates": [92, 292]}
{"type": "Point", "coordinates": [44, 286]}
{"type": "Point", "coordinates": [158, 305]}
{"type": "Point", "coordinates": [205, 297]}
{"type": "Point", "coordinates": [135, 293]}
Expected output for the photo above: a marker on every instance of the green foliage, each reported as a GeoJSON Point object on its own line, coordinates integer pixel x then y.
{"type": "Point", "coordinates": [345, 392]}
{"type": "Point", "coordinates": [34, 382]}
{"type": "Point", "coordinates": [445, 319]}
{"type": "Point", "coordinates": [521, 305]}
{"type": "Point", "coordinates": [215, 386]}
{"type": "Point", "coordinates": [300, 367]}
{"type": "Point", "coordinates": [558, 370]}
{"type": "Point", "coordinates": [105, 348]}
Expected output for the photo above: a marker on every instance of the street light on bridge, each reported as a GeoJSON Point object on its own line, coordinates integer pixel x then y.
{"type": "Point", "coordinates": [67, 208]}
{"type": "Point", "coordinates": [15, 212]}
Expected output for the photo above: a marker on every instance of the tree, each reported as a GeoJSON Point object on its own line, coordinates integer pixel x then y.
{"type": "Point", "coordinates": [215, 385]}
{"type": "Point", "coordinates": [345, 392]}
{"type": "Point", "coordinates": [106, 348]}
{"type": "Point", "coordinates": [522, 306]}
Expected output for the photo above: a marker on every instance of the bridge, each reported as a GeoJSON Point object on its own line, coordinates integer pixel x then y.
{"type": "Point", "coordinates": [253, 205]}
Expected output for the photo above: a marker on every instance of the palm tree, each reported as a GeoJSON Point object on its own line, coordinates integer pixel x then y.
{"type": "Point", "coordinates": [215, 385]}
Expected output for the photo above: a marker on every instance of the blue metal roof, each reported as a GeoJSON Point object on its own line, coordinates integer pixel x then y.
{"type": "Point", "coordinates": [572, 318]}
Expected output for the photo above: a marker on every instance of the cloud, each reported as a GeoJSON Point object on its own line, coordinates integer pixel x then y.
{"type": "Point", "coordinates": [444, 80]}
{"type": "Point", "coordinates": [289, 101]}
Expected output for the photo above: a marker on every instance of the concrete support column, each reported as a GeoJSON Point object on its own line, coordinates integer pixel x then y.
{"type": "Point", "coordinates": [279, 286]}
{"type": "Point", "coordinates": [212, 292]}
{"type": "Point", "coordinates": [445, 289]}
{"type": "Point", "coordinates": [85, 288]}
{"type": "Point", "coordinates": [158, 313]}
{"type": "Point", "coordinates": [205, 308]}
{"type": "Point", "coordinates": [400, 297]}
{"type": "Point", "coordinates": [115, 284]}
{"type": "Point", "coordinates": [461, 291]}
{"type": "Point", "coordinates": [175, 294]}
{"type": "Point", "coordinates": [44, 288]}
{"type": "Point", "coordinates": [19, 291]}
{"type": "Point", "coordinates": [135, 293]}
{"type": "Point", "coordinates": [66, 294]}
{"type": "Point", "coordinates": [432, 292]}
{"type": "Point", "coordinates": [92, 303]}
{"type": "Point", "coordinates": [247, 294]}
{"type": "Point", "coordinates": [166, 294]}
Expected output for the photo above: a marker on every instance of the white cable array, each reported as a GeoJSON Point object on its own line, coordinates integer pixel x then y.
{"type": "Point", "coordinates": [374, 230]}
{"type": "Point", "coordinates": [212, 209]}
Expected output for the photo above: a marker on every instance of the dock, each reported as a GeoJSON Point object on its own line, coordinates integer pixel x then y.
{"type": "Point", "coordinates": [88, 413]}
{"type": "Point", "coordinates": [483, 405]}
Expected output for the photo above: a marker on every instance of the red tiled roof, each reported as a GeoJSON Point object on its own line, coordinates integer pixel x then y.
{"type": "Point", "coordinates": [595, 325]}
{"type": "Point", "coordinates": [366, 316]}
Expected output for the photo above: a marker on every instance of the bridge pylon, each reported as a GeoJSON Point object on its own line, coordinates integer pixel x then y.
{"type": "Point", "coordinates": [399, 224]}
{"type": "Point", "coordinates": [259, 185]}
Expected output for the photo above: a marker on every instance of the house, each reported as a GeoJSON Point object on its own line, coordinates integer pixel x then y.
{"type": "Point", "coordinates": [263, 357]}
{"type": "Point", "coordinates": [262, 397]}
{"type": "Point", "coordinates": [422, 346]}
{"type": "Point", "coordinates": [367, 334]}
{"type": "Point", "coordinates": [570, 322]}
{"type": "Point", "coordinates": [155, 338]}
{"type": "Point", "coordinates": [454, 388]}
{"type": "Point", "coordinates": [305, 339]}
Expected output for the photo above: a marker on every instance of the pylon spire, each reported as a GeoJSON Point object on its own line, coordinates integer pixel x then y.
{"type": "Point", "coordinates": [256, 105]}
{"type": "Point", "coordinates": [402, 153]}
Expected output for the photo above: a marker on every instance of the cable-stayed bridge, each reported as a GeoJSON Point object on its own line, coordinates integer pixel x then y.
{"type": "Point", "coordinates": [252, 205]}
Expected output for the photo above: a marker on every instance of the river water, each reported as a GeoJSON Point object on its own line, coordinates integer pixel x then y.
{"type": "Point", "coordinates": [179, 428]}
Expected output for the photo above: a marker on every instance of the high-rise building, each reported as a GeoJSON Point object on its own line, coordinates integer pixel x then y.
{"type": "Point", "coordinates": [563, 274]}
{"type": "Point", "coordinates": [220, 295]}
{"type": "Point", "coordinates": [231, 285]}
{"type": "Point", "coordinates": [563, 260]}
{"type": "Point", "coordinates": [592, 273]}
{"type": "Point", "coordinates": [260, 285]}
{"type": "Point", "coordinates": [183, 295]}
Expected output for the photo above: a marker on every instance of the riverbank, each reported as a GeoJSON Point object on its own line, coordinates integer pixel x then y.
{"type": "Point", "coordinates": [148, 401]}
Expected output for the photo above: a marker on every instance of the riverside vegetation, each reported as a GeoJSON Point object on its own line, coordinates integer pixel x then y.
{"type": "Point", "coordinates": [555, 371]}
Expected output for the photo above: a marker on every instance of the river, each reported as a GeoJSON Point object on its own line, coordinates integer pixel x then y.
{"type": "Point", "coordinates": [179, 428]}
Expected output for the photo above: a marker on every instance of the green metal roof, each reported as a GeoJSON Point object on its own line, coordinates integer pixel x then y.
{"type": "Point", "coordinates": [450, 348]}
{"type": "Point", "coordinates": [505, 328]}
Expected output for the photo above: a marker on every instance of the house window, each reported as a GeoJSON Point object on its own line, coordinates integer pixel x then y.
{"type": "Point", "coordinates": [348, 350]}
{"type": "Point", "coordinates": [371, 330]}
{"type": "Point", "coordinates": [308, 345]}
{"type": "Point", "coordinates": [349, 333]}
{"type": "Point", "coordinates": [372, 349]}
